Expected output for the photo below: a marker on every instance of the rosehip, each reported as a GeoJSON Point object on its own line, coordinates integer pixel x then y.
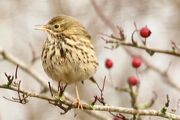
{"type": "Point", "coordinates": [117, 118]}
{"type": "Point", "coordinates": [108, 63]}
{"type": "Point", "coordinates": [145, 32]}
{"type": "Point", "coordinates": [133, 80]}
{"type": "Point", "coordinates": [136, 62]}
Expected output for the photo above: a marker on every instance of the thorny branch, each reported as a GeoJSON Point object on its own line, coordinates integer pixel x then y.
{"type": "Point", "coordinates": [117, 41]}
{"type": "Point", "coordinates": [62, 103]}
{"type": "Point", "coordinates": [117, 44]}
{"type": "Point", "coordinates": [100, 107]}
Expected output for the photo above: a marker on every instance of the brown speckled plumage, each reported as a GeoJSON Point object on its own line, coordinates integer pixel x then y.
{"type": "Point", "coordinates": [68, 54]}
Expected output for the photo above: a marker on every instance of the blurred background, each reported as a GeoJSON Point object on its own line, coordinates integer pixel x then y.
{"type": "Point", "coordinates": [18, 37]}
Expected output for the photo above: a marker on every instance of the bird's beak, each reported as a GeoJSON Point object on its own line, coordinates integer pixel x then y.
{"type": "Point", "coordinates": [41, 27]}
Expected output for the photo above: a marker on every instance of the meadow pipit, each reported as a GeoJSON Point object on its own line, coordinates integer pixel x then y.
{"type": "Point", "coordinates": [68, 54]}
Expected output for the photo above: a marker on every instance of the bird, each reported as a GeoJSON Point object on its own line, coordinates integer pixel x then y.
{"type": "Point", "coordinates": [68, 54]}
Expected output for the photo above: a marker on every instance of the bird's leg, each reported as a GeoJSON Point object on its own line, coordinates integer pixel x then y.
{"type": "Point", "coordinates": [78, 101]}
{"type": "Point", "coordinates": [61, 88]}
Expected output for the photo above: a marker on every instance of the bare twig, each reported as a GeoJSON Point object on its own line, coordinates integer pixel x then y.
{"type": "Point", "coordinates": [174, 46]}
{"type": "Point", "coordinates": [16, 72]}
{"type": "Point", "coordinates": [101, 98]}
{"type": "Point", "coordinates": [102, 16]}
{"type": "Point", "coordinates": [50, 89]}
{"type": "Point", "coordinates": [34, 57]}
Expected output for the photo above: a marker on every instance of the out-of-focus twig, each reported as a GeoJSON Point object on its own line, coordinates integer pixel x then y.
{"type": "Point", "coordinates": [102, 16]}
{"type": "Point", "coordinates": [34, 57]}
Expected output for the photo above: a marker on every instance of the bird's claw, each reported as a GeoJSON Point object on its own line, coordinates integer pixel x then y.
{"type": "Point", "coordinates": [78, 103]}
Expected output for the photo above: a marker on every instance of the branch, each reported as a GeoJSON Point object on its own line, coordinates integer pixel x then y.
{"type": "Point", "coordinates": [172, 52]}
{"type": "Point", "coordinates": [153, 50]}
{"type": "Point", "coordinates": [40, 79]}
{"type": "Point", "coordinates": [67, 105]}
{"type": "Point", "coordinates": [98, 107]}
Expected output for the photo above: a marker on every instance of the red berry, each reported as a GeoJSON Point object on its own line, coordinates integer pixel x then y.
{"type": "Point", "coordinates": [117, 118]}
{"type": "Point", "coordinates": [133, 80]}
{"type": "Point", "coordinates": [108, 63]}
{"type": "Point", "coordinates": [136, 62]}
{"type": "Point", "coordinates": [145, 32]}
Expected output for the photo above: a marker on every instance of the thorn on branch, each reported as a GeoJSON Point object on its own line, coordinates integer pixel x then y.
{"type": "Point", "coordinates": [132, 38]}
{"type": "Point", "coordinates": [135, 25]}
{"type": "Point", "coordinates": [164, 109]}
{"type": "Point", "coordinates": [17, 66]}
{"type": "Point", "coordinates": [174, 46]}
{"type": "Point", "coordinates": [144, 41]}
{"type": "Point", "coordinates": [150, 52]}
{"type": "Point", "coordinates": [10, 79]}
{"type": "Point", "coordinates": [50, 89]}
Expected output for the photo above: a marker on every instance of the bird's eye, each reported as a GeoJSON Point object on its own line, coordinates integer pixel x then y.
{"type": "Point", "coordinates": [56, 26]}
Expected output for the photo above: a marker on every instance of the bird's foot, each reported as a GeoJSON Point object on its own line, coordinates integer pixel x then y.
{"type": "Point", "coordinates": [78, 103]}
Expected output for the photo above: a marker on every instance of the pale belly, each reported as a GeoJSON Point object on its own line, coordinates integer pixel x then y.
{"type": "Point", "coordinates": [68, 72]}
